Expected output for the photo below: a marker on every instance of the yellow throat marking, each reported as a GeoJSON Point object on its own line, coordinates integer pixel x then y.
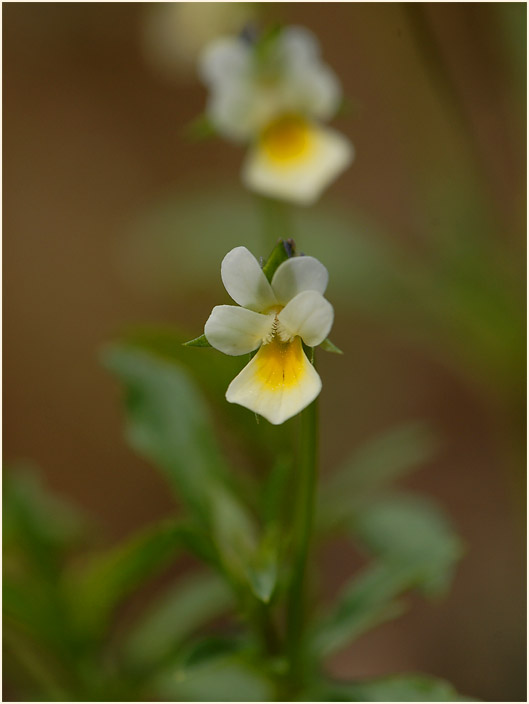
{"type": "Point", "coordinates": [287, 139]}
{"type": "Point", "coordinates": [280, 364]}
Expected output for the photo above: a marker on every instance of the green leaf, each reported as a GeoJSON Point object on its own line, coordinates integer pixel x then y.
{"type": "Point", "coordinates": [219, 678]}
{"type": "Point", "coordinates": [108, 577]}
{"type": "Point", "coordinates": [38, 527]}
{"type": "Point", "coordinates": [367, 601]}
{"type": "Point", "coordinates": [393, 688]}
{"type": "Point", "coordinates": [329, 346]}
{"type": "Point", "coordinates": [283, 250]}
{"type": "Point", "coordinates": [411, 532]}
{"type": "Point", "coordinates": [415, 547]}
{"type": "Point", "coordinates": [175, 615]}
{"type": "Point", "coordinates": [167, 422]}
{"type": "Point", "coordinates": [201, 341]}
{"type": "Point", "coordinates": [378, 462]}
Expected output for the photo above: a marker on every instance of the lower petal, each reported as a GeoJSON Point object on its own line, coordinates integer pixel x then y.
{"type": "Point", "coordinates": [304, 176]}
{"type": "Point", "coordinates": [277, 383]}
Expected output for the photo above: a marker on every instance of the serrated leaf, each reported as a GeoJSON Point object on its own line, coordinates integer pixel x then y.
{"type": "Point", "coordinates": [200, 341]}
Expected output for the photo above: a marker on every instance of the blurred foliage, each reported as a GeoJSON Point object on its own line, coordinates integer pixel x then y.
{"type": "Point", "coordinates": [218, 634]}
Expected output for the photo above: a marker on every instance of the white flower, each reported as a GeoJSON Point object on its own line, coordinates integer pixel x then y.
{"type": "Point", "coordinates": [275, 317]}
{"type": "Point", "coordinates": [274, 97]}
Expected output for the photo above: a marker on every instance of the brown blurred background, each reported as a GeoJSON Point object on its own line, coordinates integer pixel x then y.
{"type": "Point", "coordinates": [93, 123]}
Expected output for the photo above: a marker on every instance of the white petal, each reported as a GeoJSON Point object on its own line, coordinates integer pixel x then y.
{"type": "Point", "coordinates": [308, 315]}
{"type": "Point", "coordinates": [303, 178]}
{"type": "Point", "coordinates": [277, 383]}
{"type": "Point", "coordinates": [298, 45]}
{"type": "Point", "coordinates": [317, 90]}
{"type": "Point", "coordinates": [224, 60]}
{"type": "Point", "coordinates": [235, 330]}
{"type": "Point", "coordinates": [244, 280]}
{"type": "Point", "coordinates": [299, 274]}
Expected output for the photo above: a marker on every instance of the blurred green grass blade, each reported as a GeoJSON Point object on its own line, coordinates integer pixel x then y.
{"type": "Point", "coordinates": [411, 532]}
{"type": "Point", "coordinates": [101, 584]}
{"type": "Point", "coordinates": [168, 423]}
{"type": "Point", "coordinates": [36, 671]}
{"type": "Point", "coordinates": [378, 462]}
{"type": "Point", "coordinates": [175, 615]}
{"type": "Point", "coordinates": [394, 688]}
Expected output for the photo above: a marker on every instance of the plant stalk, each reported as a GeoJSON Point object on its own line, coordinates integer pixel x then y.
{"type": "Point", "coordinates": [304, 518]}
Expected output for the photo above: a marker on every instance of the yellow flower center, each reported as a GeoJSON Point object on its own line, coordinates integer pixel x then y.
{"type": "Point", "coordinates": [287, 139]}
{"type": "Point", "coordinates": [280, 364]}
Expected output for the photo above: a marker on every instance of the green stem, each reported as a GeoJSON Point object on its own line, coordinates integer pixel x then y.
{"type": "Point", "coordinates": [304, 516]}
{"type": "Point", "coordinates": [277, 221]}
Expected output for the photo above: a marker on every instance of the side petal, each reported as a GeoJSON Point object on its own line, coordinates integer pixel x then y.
{"type": "Point", "coordinates": [301, 179]}
{"type": "Point", "coordinates": [244, 280]}
{"type": "Point", "coordinates": [235, 330]}
{"type": "Point", "coordinates": [277, 383]}
{"type": "Point", "coordinates": [308, 315]}
{"type": "Point", "coordinates": [299, 274]}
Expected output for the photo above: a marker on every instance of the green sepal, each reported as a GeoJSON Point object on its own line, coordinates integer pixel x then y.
{"type": "Point", "coordinates": [200, 341]}
{"type": "Point", "coordinates": [199, 129]}
{"type": "Point", "coordinates": [283, 250]}
{"type": "Point", "coordinates": [329, 346]}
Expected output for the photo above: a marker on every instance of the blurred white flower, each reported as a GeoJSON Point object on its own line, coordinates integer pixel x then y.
{"type": "Point", "coordinates": [275, 317]}
{"type": "Point", "coordinates": [274, 94]}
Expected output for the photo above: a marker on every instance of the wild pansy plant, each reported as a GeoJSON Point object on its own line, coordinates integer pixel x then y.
{"type": "Point", "coordinates": [252, 626]}
{"type": "Point", "coordinates": [273, 94]}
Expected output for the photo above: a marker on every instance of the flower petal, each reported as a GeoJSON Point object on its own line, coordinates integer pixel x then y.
{"type": "Point", "coordinates": [299, 274]}
{"type": "Point", "coordinates": [303, 177]}
{"type": "Point", "coordinates": [277, 383]}
{"type": "Point", "coordinates": [235, 330]}
{"type": "Point", "coordinates": [308, 315]}
{"type": "Point", "coordinates": [244, 280]}
{"type": "Point", "coordinates": [224, 60]}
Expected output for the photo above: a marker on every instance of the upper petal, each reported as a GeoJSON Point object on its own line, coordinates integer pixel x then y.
{"type": "Point", "coordinates": [224, 60]}
{"type": "Point", "coordinates": [299, 274]}
{"type": "Point", "coordinates": [235, 330]}
{"type": "Point", "coordinates": [244, 280]}
{"type": "Point", "coordinates": [308, 315]}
